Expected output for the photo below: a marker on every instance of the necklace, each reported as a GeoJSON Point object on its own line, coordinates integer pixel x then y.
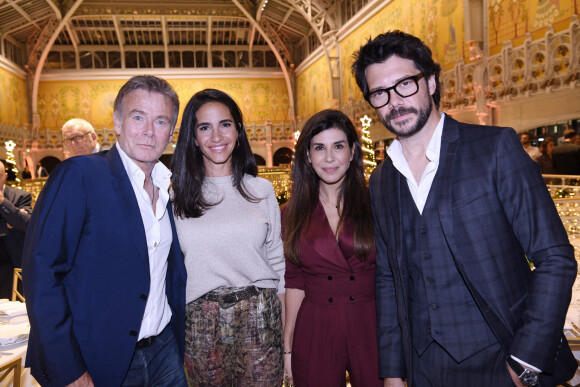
{"type": "Point", "coordinates": [325, 200]}
{"type": "Point", "coordinates": [153, 193]}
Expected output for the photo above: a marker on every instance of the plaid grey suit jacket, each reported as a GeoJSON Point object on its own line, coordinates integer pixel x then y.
{"type": "Point", "coordinates": [495, 211]}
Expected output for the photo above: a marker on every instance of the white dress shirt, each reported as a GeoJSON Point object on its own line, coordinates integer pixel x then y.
{"type": "Point", "coordinates": [159, 238]}
{"type": "Point", "coordinates": [419, 191]}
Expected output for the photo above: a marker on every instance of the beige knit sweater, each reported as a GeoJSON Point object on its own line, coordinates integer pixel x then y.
{"type": "Point", "coordinates": [235, 243]}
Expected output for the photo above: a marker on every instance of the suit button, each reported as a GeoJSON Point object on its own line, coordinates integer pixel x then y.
{"type": "Point", "coordinates": [430, 280]}
{"type": "Point", "coordinates": [351, 298]}
{"type": "Point", "coordinates": [133, 333]}
{"type": "Point", "coordinates": [422, 230]}
{"type": "Point", "coordinates": [143, 297]}
{"type": "Point", "coordinates": [352, 277]}
{"type": "Point", "coordinates": [433, 306]}
{"type": "Point", "coordinates": [426, 256]}
{"type": "Point", "coordinates": [330, 300]}
{"type": "Point", "coordinates": [404, 272]}
{"type": "Point", "coordinates": [330, 278]}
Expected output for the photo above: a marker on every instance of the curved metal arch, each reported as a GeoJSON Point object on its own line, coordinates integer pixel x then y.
{"type": "Point", "coordinates": [63, 22]}
{"type": "Point", "coordinates": [317, 17]}
{"type": "Point", "coordinates": [276, 53]}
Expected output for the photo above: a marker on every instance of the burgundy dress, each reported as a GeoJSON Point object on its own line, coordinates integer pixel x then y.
{"type": "Point", "coordinates": [336, 328]}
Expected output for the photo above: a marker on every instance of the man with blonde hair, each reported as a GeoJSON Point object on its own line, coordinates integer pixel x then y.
{"type": "Point", "coordinates": [79, 137]}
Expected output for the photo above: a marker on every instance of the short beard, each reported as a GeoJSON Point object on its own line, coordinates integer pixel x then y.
{"type": "Point", "coordinates": [422, 117]}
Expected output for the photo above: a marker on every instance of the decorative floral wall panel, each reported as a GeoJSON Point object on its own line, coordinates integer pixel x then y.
{"type": "Point", "coordinates": [513, 19]}
{"type": "Point", "coordinates": [13, 100]}
{"type": "Point", "coordinates": [313, 89]}
{"type": "Point", "coordinates": [439, 23]}
{"type": "Point", "coordinates": [58, 101]}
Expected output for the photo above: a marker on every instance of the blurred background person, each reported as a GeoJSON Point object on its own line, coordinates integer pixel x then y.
{"type": "Point", "coordinates": [79, 137]}
{"type": "Point", "coordinates": [40, 170]}
{"type": "Point", "coordinates": [330, 260]}
{"type": "Point", "coordinates": [545, 160]}
{"type": "Point", "coordinates": [566, 155]}
{"type": "Point", "coordinates": [26, 174]}
{"type": "Point", "coordinates": [528, 147]}
{"type": "Point", "coordinates": [15, 209]}
{"type": "Point", "coordinates": [228, 224]}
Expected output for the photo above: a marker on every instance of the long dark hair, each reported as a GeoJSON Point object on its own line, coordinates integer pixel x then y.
{"type": "Point", "coordinates": [187, 163]}
{"type": "Point", "coordinates": [353, 192]}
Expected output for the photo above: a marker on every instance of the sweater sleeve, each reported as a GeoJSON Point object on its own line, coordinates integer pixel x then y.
{"type": "Point", "coordinates": [275, 249]}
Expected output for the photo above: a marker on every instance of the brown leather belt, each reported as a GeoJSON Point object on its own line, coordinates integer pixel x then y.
{"type": "Point", "coordinates": [230, 299]}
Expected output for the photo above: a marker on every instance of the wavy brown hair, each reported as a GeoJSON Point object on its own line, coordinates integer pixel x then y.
{"type": "Point", "coordinates": [353, 192]}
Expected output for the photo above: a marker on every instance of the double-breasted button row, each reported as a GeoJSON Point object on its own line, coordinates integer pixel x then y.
{"type": "Point", "coordinates": [331, 300]}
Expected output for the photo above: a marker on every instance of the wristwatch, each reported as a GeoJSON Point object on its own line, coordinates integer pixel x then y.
{"type": "Point", "coordinates": [527, 376]}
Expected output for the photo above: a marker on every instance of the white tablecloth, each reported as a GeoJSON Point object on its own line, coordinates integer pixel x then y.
{"type": "Point", "coordinates": [10, 352]}
{"type": "Point", "coordinates": [14, 351]}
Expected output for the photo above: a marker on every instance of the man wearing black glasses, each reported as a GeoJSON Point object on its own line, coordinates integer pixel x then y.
{"type": "Point", "coordinates": [457, 210]}
{"type": "Point", "coordinates": [79, 137]}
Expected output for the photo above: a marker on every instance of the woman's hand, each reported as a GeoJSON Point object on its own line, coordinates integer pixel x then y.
{"type": "Point", "coordinates": [288, 369]}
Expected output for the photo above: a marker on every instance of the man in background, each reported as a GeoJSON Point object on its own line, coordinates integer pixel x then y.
{"type": "Point", "coordinates": [103, 273]}
{"type": "Point", "coordinates": [15, 209]}
{"type": "Point", "coordinates": [531, 150]}
{"type": "Point", "coordinates": [566, 155]}
{"type": "Point", "coordinates": [79, 137]}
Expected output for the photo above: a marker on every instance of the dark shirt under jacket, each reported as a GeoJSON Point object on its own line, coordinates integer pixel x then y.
{"type": "Point", "coordinates": [566, 158]}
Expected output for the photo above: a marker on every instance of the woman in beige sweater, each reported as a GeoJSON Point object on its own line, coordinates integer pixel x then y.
{"type": "Point", "coordinates": [228, 224]}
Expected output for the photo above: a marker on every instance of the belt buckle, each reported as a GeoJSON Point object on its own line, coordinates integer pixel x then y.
{"type": "Point", "coordinates": [224, 304]}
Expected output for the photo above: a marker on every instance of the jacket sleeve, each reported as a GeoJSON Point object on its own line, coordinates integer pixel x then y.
{"type": "Point", "coordinates": [52, 240]}
{"type": "Point", "coordinates": [12, 214]}
{"type": "Point", "coordinates": [390, 344]}
{"type": "Point", "coordinates": [539, 230]}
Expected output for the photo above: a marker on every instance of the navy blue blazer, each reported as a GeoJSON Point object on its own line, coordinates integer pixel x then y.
{"type": "Point", "coordinates": [495, 210]}
{"type": "Point", "coordinates": [86, 273]}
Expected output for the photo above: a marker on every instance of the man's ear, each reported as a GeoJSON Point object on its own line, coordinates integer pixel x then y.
{"type": "Point", "coordinates": [432, 85]}
{"type": "Point", "coordinates": [117, 124]}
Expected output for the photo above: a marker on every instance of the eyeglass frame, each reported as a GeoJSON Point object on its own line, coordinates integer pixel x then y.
{"type": "Point", "coordinates": [415, 78]}
{"type": "Point", "coordinates": [75, 139]}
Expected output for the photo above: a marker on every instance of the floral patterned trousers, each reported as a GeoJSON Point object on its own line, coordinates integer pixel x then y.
{"type": "Point", "coordinates": [238, 346]}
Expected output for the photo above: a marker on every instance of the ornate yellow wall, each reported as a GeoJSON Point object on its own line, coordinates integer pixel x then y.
{"type": "Point", "coordinates": [313, 90]}
{"type": "Point", "coordinates": [512, 19]}
{"type": "Point", "coordinates": [58, 101]}
{"type": "Point", "coordinates": [439, 23]}
{"type": "Point", "coordinates": [13, 100]}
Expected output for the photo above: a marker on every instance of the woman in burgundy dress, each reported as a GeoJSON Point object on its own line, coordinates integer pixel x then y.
{"type": "Point", "coordinates": [330, 260]}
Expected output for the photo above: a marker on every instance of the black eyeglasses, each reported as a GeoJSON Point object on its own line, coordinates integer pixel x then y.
{"type": "Point", "coordinates": [70, 140]}
{"type": "Point", "coordinates": [404, 88]}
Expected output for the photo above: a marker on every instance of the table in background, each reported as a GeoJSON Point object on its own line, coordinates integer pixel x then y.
{"type": "Point", "coordinates": [13, 351]}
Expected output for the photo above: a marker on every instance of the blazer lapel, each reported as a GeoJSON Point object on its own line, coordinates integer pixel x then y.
{"type": "Point", "coordinates": [320, 237]}
{"type": "Point", "coordinates": [391, 185]}
{"type": "Point", "coordinates": [449, 142]}
{"type": "Point", "coordinates": [130, 207]}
